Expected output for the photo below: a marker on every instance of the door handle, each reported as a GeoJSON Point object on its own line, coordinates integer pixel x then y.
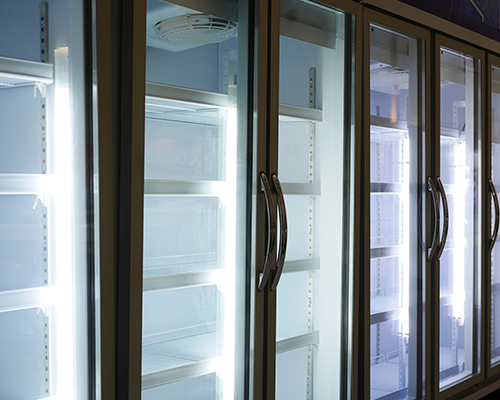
{"type": "Point", "coordinates": [437, 218]}
{"type": "Point", "coordinates": [271, 227]}
{"type": "Point", "coordinates": [497, 216]}
{"type": "Point", "coordinates": [283, 232]}
{"type": "Point", "coordinates": [446, 221]}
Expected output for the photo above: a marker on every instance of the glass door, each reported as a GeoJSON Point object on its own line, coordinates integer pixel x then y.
{"type": "Point", "coordinates": [459, 185]}
{"type": "Point", "coordinates": [315, 148]}
{"type": "Point", "coordinates": [494, 182]}
{"type": "Point", "coordinates": [46, 250]}
{"type": "Point", "coordinates": [194, 269]}
{"type": "Point", "coordinates": [397, 171]}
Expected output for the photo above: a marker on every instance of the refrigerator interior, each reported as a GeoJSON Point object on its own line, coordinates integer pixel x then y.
{"type": "Point", "coordinates": [393, 163]}
{"type": "Point", "coordinates": [458, 279]}
{"type": "Point", "coordinates": [310, 167]}
{"type": "Point", "coordinates": [190, 262]}
{"type": "Point", "coordinates": [43, 289]}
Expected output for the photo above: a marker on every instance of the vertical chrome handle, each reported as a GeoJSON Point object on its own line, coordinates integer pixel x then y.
{"type": "Point", "coordinates": [497, 216]}
{"type": "Point", "coordinates": [271, 227]}
{"type": "Point", "coordinates": [446, 222]}
{"type": "Point", "coordinates": [437, 218]}
{"type": "Point", "coordinates": [283, 232]}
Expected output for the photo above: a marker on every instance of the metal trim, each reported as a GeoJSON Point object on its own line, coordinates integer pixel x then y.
{"type": "Point", "coordinates": [433, 22]}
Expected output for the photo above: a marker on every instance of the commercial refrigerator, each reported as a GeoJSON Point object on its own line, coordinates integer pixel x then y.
{"type": "Point", "coordinates": [44, 202]}
{"type": "Point", "coordinates": [248, 208]}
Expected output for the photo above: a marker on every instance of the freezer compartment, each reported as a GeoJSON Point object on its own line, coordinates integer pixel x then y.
{"type": "Point", "coordinates": [182, 234]}
{"type": "Point", "coordinates": [180, 327]}
{"type": "Point", "coordinates": [24, 349]}
{"type": "Point", "coordinates": [388, 360]}
{"type": "Point", "coordinates": [184, 141]}
{"type": "Point", "coordinates": [198, 388]}
{"type": "Point", "coordinates": [296, 158]}
{"type": "Point", "coordinates": [23, 140]}
{"type": "Point", "coordinates": [292, 370]}
{"type": "Point", "coordinates": [23, 259]}
{"type": "Point", "coordinates": [386, 221]}
{"type": "Point", "coordinates": [294, 304]}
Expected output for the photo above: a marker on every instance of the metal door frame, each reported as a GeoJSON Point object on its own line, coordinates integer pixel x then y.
{"type": "Point", "coordinates": [268, 130]}
{"type": "Point", "coordinates": [421, 301]}
{"type": "Point", "coordinates": [438, 41]}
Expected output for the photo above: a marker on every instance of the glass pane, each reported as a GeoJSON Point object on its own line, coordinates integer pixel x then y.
{"type": "Point", "coordinates": [195, 198]}
{"type": "Point", "coordinates": [395, 168]}
{"type": "Point", "coordinates": [23, 344]}
{"type": "Point", "coordinates": [495, 254]}
{"type": "Point", "coordinates": [46, 202]}
{"type": "Point", "coordinates": [314, 137]}
{"type": "Point", "coordinates": [460, 132]}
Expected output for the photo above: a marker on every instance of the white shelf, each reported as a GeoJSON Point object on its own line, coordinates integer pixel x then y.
{"type": "Point", "coordinates": [308, 189]}
{"type": "Point", "coordinates": [25, 184]}
{"type": "Point", "coordinates": [175, 373]}
{"type": "Point", "coordinates": [303, 265]}
{"type": "Point", "coordinates": [184, 188]}
{"type": "Point", "coordinates": [22, 299]}
{"type": "Point", "coordinates": [164, 96]}
{"type": "Point", "coordinates": [15, 72]}
{"type": "Point", "coordinates": [184, 95]}
{"type": "Point", "coordinates": [383, 125]}
{"type": "Point", "coordinates": [182, 280]}
{"type": "Point", "coordinates": [289, 113]}
{"type": "Point", "coordinates": [296, 342]}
